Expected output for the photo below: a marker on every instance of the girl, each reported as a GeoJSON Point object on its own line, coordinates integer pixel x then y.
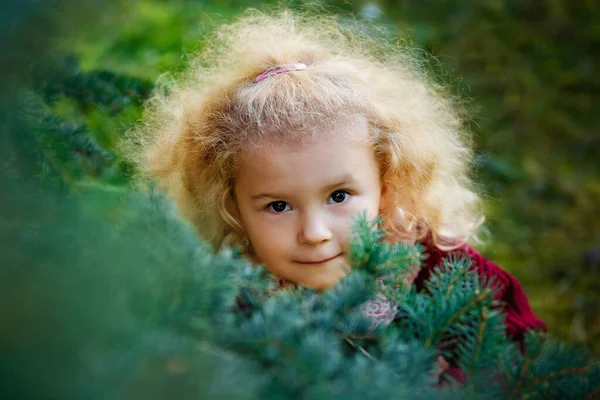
{"type": "Point", "coordinates": [288, 126]}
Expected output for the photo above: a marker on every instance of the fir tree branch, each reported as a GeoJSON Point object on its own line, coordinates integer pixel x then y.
{"type": "Point", "coordinates": [360, 348]}
{"type": "Point", "coordinates": [563, 372]}
{"type": "Point", "coordinates": [505, 368]}
{"type": "Point", "coordinates": [480, 296]}
{"type": "Point", "coordinates": [364, 337]}
{"type": "Point", "coordinates": [482, 326]}
{"type": "Point", "coordinates": [388, 264]}
{"type": "Point", "coordinates": [517, 389]}
{"type": "Point", "coordinates": [452, 282]}
{"type": "Point", "coordinates": [522, 374]}
{"type": "Point", "coordinates": [67, 178]}
{"type": "Point", "coordinates": [594, 395]}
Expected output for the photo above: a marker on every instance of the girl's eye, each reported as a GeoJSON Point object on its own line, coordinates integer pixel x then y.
{"type": "Point", "coordinates": [339, 196]}
{"type": "Point", "coordinates": [278, 206]}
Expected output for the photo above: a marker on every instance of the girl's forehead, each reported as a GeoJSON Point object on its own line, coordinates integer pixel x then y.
{"type": "Point", "coordinates": [278, 168]}
{"type": "Point", "coordinates": [350, 130]}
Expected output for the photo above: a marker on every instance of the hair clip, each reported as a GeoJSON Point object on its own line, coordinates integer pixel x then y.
{"type": "Point", "coordinates": [278, 70]}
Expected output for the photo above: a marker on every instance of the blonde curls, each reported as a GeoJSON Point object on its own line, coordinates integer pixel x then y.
{"type": "Point", "coordinates": [193, 132]}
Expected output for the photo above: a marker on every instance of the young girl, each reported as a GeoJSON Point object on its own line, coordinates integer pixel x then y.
{"type": "Point", "coordinates": [287, 126]}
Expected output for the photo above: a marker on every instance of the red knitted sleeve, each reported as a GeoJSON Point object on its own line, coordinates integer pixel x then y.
{"type": "Point", "coordinates": [519, 316]}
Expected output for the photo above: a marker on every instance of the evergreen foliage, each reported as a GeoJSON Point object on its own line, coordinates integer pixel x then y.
{"type": "Point", "coordinates": [110, 295]}
{"type": "Point", "coordinates": [106, 294]}
{"type": "Point", "coordinates": [61, 151]}
{"type": "Point", "coordinates": [91, 89]}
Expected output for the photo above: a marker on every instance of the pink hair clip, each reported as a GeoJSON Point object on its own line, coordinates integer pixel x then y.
{"type": "Point", "coordinates": [278, 70]}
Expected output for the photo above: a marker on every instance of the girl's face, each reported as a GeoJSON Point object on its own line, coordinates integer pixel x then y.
{"type": "Point", "coordinates": [297, 203]}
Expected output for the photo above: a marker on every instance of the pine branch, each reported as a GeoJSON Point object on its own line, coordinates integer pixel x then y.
{"type": "Point", "coordinates": [174, 304]}
{"type": "Point", "coordinates": [480, 337]}
{"type": "Point", "coordinates": [564, 372]}
{"type": "Point", "coordinates": [462, 273]}
{"type": "Point", "coordinates": [594, 395]}
{"type": "Point", "coordinates": [481, 295]}
{"type": "Point", "coordinates": [62, 152]}
{"type": "Point", "coordinates": [519, 384]}
{"type": "Point", "coordinates": [91, 89]}
{"type": "Point", "coordinates": [51, 159]}
{"type": "Point", "coordinates": [549, 369]}
{"type": "Point", "coordinates": [360, 348]}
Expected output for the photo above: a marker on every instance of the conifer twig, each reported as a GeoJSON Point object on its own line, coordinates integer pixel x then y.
{"type": "Point", "coordinates": [62, 172]}
{"type": "Point", "coordinates": [482, 326]}
{"type": "Point", "coordinates": [480, 296]}
{"type": "Point", "coordinates": [360, 348]}
{"type": "Point", "coordinates": [394, 261]}
{"type": "Point", "coordinates": [563, 372]}
{"type": "Point", "coordinates": [594, 394]}
{"type": "Point", "coordinates": [363, 337]}
{"type": "Point", "coordinates": [504, 368]}
{"type": "Point", "coordinates": [519, 384]}
{"type": "Point", "coordinates": [451, 285]}
{"type": "Point", "coordinates": [522, 374]}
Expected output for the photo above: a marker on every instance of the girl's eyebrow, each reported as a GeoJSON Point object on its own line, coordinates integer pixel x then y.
{"type": "Point", "coordinates": [344, 180]}
{"type": "Point", "coordinates": [263, 196]}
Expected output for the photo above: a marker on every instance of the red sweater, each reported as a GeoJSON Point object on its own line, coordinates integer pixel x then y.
{"type": "Point", "coordinates": [518, 314]}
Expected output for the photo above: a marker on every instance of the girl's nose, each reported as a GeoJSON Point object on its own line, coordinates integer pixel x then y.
{"type": "Point", "coordinates": [314, 229]}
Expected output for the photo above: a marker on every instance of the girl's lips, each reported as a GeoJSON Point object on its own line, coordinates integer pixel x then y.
{"type": "Point", "coordinates": [319, 262]}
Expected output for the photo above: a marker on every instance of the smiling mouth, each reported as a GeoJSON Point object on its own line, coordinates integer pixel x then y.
{"type": "Point", "coordinates": [318, 262]}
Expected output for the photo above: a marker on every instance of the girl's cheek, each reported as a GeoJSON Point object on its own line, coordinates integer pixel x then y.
{"type": "Point", "coordinates": [275, 225]}
{"type": "Point", "coordinates": [359, 204]}
{"type": "Point", "coordinates": [344, 219]}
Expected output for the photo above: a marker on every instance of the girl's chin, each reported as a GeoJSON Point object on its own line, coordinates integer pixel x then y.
{"type": "Point", "coordinates": [318, 276]}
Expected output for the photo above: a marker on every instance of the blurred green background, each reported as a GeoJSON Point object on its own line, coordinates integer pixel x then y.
{"type": "Point", "coordinates": [527, 69]}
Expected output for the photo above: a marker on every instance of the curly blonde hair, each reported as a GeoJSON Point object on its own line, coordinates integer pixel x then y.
{"type": "Point", "coordinates": [194, 132]}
